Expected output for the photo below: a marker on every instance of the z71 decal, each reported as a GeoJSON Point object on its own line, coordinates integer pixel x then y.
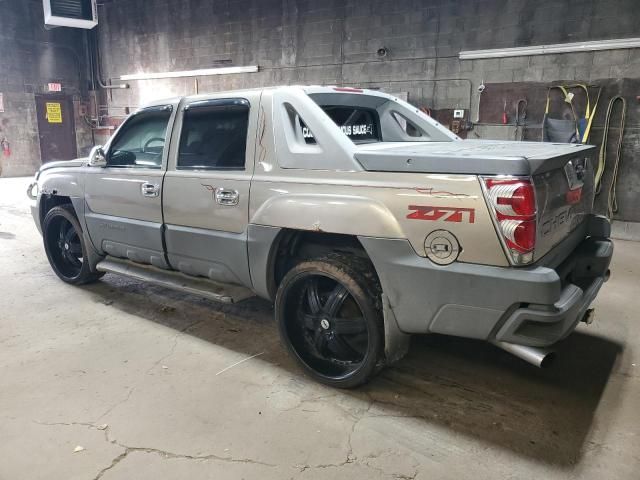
{"type": "Point", "coordinates": [446, 214]}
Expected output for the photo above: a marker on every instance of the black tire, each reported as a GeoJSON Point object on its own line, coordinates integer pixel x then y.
{"type": "Point", "coordinates": [65, 246]}
{"type": "Point", "coordinates": [329, 315]}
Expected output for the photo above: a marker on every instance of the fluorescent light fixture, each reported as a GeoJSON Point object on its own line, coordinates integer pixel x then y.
{"type": "Point", "coordinates": [551, 49]}
{"type": "Point", "coordinates": [191, 73]}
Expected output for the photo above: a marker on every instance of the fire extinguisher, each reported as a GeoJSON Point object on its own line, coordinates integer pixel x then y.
{"type": "Point", "coordinates": [6, 148]}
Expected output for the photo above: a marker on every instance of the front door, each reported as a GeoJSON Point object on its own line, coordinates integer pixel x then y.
{"type": "Point", "coordinates": [206, 189]}
{"type": "Point", "coordinates": [124, 199]}
{"type": "Point", "coordinates": [56, 127]}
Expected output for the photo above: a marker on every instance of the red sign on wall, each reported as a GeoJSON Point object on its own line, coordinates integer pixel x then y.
{"type": "Point", "coordinates": [55, 87]}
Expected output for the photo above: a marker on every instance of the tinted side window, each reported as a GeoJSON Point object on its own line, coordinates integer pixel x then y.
{"type": "Point", "coordinates": [141, 141]}
{"type": "Point", "coordinates": [214, 137]}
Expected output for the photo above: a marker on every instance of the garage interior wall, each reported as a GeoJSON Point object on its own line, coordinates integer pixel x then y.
{"type": "Point", "coordinates": [329, 42]}
{"type": "Point", "coordinates": [30, 58]}
{"type": "Point", "coordinates": [336, 42]}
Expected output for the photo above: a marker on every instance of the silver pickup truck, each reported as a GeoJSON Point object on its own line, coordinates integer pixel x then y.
{"type": "Point", "coordinates": [360, 217]}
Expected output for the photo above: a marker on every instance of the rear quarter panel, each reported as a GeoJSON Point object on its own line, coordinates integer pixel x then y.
{"type": "Point", "coordinates": [389, 205]}
{"type": "Point", "coordinates": [373, 204]}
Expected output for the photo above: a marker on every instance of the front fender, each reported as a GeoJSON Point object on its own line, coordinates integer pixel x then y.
{"type": "Point", "coordinates": [61, 182]}
{"type": "Point", "coordinates": [56, 182]}
{"type": "Point", "coordinates": [344, 214]}
{"type": "Point", "coordinates": [67, 183]}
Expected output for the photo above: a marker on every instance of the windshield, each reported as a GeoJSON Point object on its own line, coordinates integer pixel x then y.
{"type": "Point", "coordinates": [372, 119]}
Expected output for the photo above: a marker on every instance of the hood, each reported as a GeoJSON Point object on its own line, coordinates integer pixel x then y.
{"type": "Point", "coordinates": [78, 162]}
{"type": "Point", "coordinates": [477, 157]}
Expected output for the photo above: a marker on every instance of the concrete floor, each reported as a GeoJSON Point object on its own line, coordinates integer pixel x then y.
{"type": "Point", "coordinates": [136, 376]}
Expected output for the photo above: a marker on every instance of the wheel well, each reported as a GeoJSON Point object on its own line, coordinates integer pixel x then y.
{"type": "Point", "coordinates": [293, 246]}
{"type": "Point", "coordinates": [49, 201]}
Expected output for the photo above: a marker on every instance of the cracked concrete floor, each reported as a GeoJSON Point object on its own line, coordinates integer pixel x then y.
{"type": "Point", "coordinates": [136, 376]}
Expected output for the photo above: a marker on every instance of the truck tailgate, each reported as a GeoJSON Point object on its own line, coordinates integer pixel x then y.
{"type": "Point", "coordinates": [564, 198]}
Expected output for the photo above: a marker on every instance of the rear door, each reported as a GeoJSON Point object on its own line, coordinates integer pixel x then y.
{"type": "Point", "coordinates": [206, 188]}
{"type": "Point", "coordinates": [124, 199]}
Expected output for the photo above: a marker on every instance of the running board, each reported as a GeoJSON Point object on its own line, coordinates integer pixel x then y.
{"type": "Point", "coordinates": [219, 292]}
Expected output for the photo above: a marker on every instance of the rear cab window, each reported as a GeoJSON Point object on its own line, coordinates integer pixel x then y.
{"type": "Point", "coordinates": [366, 118]}
{"type": "Point", "coordinates": [360, 124]}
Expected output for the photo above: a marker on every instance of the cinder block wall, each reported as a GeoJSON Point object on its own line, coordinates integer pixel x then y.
{"type": "Point", "coordinates": [335, 42]}
{"type": "Point", "coordinates": [321, 42]}
{"type": "Point", "coordinates": [30, 58]}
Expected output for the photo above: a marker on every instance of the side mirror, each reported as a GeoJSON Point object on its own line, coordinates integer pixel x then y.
{"type": "Point", "coordinates": [97, 157]}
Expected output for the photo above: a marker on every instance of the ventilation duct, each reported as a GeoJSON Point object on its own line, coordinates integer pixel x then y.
{"type": "Point", "coordinates": [70, 13]}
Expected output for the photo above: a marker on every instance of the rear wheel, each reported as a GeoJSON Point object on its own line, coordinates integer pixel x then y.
{"type": "Point", "coordinates": [65, 247]}
{"type": "Point", "coordinates": [329, 316]}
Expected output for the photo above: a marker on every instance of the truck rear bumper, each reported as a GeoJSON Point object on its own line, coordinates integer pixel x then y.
{"type": "Point", "coordinates": [535, 306]}
{"type": "Point", "coordinates": [543, 325]}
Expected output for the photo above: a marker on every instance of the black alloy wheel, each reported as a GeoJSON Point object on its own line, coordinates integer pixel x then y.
{"type": "Point", "coordinates": [64, 245]}
{"type": "Point", "coordinates": [329, 317]}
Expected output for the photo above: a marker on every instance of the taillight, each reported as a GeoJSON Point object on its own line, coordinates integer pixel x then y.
{"type": "Point", "coordinates": [574, 196]}
{"type": "Point", "coordinates": [513, 202]}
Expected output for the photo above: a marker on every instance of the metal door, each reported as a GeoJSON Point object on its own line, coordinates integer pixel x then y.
{"type": "Point", "coordinates": [124, 199]}
{"type": "Point", "coordinates": [56, 127]}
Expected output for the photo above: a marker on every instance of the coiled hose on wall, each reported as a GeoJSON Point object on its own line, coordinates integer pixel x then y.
{"type": "Point", "coordinates": [612, 202]}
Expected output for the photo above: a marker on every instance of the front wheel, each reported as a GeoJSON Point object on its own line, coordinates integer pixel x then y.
{"type": "Point", "coordinates": [65, 247]}
{"type": "Point", "coordinates": [329, 316]}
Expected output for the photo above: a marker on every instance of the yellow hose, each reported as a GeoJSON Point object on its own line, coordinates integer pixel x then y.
{"type": "Point", "coordinates": [612, 202]}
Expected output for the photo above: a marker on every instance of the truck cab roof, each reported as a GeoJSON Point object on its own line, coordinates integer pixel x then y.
{"type": "Point", "coordinates": [308, 89]}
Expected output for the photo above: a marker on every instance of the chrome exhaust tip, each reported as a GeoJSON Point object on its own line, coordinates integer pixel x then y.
{"type": "Point", "coordinates": [539, 357]}
{"type": "Point", "coordinates": [589, 316]}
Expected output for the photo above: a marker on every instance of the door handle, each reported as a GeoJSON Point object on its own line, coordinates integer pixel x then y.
{"type": "Point", "coordinates": [227, 196]}
{"type": "Point", "coordinates": [150, 189]}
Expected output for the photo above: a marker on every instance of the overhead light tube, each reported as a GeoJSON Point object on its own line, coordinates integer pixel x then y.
{"type": "Point", "coordinates": [590, 46]}
{"type": "Point", "coordinates": [190, 73]}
